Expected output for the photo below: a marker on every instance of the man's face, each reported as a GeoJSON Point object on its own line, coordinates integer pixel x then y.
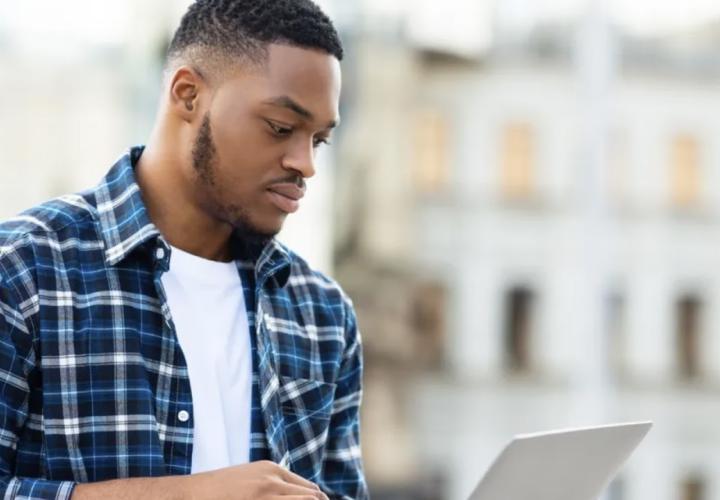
{"type": "Point", "coordinates": [257, 141]}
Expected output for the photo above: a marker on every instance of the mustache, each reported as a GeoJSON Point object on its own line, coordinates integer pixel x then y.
{"type": "Point", "coordinates": [292, 179]}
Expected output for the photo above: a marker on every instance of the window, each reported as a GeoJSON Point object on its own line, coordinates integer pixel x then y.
{"type": "Point", "coordinates": [428, 320]}
{"type": "Point", "coordinates": [427, 486]}
{"type": "Point", "coordinates": [432, 166]}
{"type": "Point", "coordinates": [614, 327]}
{"type": "Point", "coordinates": [692, 488]}
{"type": "Point", "coordinates": [518, 161]}
{"type": "Point", "coordinates": [518, 325]}
{"type": "Point", "coordinates": [685, 171]}
{"type": "Point", "coordinates": [689, 309]}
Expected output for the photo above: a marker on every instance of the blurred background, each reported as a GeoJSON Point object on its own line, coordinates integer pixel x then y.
{"type": "Point", "coordinates": [523, 201]}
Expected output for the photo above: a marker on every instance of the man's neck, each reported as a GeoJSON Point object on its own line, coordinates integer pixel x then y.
{"type": "Point", "coordinates": [174, 212]}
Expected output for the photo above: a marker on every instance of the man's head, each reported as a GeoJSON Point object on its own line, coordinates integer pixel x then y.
{"type": "Point", "coordinates": [252, 89]}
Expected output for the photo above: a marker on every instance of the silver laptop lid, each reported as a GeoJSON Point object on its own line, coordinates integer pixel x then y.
{"type": "Point", "coordinates": [572, 464]}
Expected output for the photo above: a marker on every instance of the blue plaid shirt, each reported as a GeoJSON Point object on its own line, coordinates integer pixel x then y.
{"type": "Point", "coordinates": [92, 377]}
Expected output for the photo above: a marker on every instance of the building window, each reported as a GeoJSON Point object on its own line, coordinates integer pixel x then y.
{"type": "Point", "coordinates": [432, 167]}
{"type": "Point", "coordinates": [685, 171]}
{"type": "Point", "coordinates": [428, 320]}
{"type": "Point", "coordinates": [615, 328]}
{"type": "Point", "coordinates": [519, 303]}
{"type": "Point", "coordinates": [689, 311]}
{"type": "Point", "coordinates": [518, 161]}
{"type": "Point", "coordinates": [693, 488]}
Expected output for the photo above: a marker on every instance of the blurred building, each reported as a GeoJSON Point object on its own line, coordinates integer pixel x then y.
{"type": "Point", "coordinates": [461, 236]}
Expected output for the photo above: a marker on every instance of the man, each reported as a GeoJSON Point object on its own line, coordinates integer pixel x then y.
{"type": "Point", "coordinates": [156, 341]}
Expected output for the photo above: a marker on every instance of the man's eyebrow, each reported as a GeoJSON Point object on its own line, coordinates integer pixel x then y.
{"type": "Point", "coordinates": [289, 103]}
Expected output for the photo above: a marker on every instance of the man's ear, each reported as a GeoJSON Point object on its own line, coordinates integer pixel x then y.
{"type": "Point", "coordinates": [186, 88]}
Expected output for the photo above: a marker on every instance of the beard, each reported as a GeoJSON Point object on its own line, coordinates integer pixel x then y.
{"type": "Point", "coordinates": [204, 159]}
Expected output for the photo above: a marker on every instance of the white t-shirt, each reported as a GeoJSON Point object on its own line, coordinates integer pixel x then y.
{"type": "Point", "coordinates": [208, 308]}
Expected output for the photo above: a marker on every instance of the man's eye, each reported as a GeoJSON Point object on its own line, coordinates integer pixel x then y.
{"type": "Point", "coordinates": [320, 140]}
{"type": "Point", "coordinates": [278, 130]}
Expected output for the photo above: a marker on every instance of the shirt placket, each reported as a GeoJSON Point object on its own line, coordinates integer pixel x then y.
{"type": "Point", "coordinates": [270, 382]}
{"type": "Point", "coordinates": [173, 396]}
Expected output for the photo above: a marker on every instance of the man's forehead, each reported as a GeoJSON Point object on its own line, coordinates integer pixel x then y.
{"type": "Point", "coordinates": [303, 72]}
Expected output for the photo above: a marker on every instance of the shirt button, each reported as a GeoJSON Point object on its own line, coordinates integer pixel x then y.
{"type": "Point", "coordinates": [160, 253]}
{"type": "Point", "coordinates": [183, 416]}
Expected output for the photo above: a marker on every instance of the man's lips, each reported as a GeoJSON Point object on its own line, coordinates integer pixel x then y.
{"type": "Point", "coordinates": [286, 196]}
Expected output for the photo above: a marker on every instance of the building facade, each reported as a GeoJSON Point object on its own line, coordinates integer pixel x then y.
{"type": "Point", "coordinates": [472, 223]}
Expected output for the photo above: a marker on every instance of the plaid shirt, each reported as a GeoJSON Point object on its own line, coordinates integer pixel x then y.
{"type": "Point", "coordinates": [92, 377]}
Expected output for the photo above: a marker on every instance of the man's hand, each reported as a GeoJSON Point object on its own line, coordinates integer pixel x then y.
{"type": "Point", "coordinates": [253, 481]}
{"type": "Point", "coordinates": [257, 480]}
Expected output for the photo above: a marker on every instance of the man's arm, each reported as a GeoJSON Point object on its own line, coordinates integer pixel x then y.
{"type": "Point", "coordinates": [17, 360]}
{"type": "Point", "coordinates": [343, 476]}
{"type": "Point", "coordinates": [257, 480]}
{"type": "Point", "coordinates": [254, 481]}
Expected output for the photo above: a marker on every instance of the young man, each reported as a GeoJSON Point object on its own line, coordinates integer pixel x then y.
{"type": "Point", "coordinates": [156, 341]}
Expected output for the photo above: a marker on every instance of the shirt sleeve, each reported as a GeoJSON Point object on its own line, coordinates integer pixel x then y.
{"type": "Point", "coordinates": [17, 360]}
{"type": "Point", "coordinates": [343, 476]}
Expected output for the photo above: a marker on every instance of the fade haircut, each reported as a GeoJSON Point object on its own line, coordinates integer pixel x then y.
{"type": "Point", "coordinates": [214, 34]}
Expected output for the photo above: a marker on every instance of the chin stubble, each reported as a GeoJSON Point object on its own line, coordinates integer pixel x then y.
{"type": "Point", "coordinates": [204, 158]}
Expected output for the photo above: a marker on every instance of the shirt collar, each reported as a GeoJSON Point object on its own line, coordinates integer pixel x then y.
{"type": "Point", "coordinates": [124, 221]}
{"type": "Point", "coordinates": [125, 224]}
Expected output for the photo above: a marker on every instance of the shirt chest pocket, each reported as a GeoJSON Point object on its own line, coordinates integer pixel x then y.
{"type": "Point", "coordinates": [307, 409]}
{"type": "Point", "coordinates": [306, 398]}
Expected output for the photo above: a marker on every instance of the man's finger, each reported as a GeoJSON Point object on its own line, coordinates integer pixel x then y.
{"type": "Point", "coordinates": [293, 478]}
{"type": "Point", "coordinates": [292, 490]}
{"type": "Point", "coordinates": [300, 497]}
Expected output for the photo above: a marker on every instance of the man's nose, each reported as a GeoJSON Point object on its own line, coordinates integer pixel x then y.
{"type": "Point", "coordinates": [301, 158]}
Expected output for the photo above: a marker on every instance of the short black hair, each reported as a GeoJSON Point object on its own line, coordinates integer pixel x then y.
{"type": "Point", "coordinates": [244, 28]}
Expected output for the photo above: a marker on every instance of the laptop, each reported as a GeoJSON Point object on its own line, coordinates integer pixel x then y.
{"type": "Point", "coordinates": [572, 464]}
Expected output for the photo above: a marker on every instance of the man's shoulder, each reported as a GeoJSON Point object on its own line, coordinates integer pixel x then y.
{"type": "Point", "coordinates": [58, 221]}
{"type": "Point", "coordinates": [303, 275]}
